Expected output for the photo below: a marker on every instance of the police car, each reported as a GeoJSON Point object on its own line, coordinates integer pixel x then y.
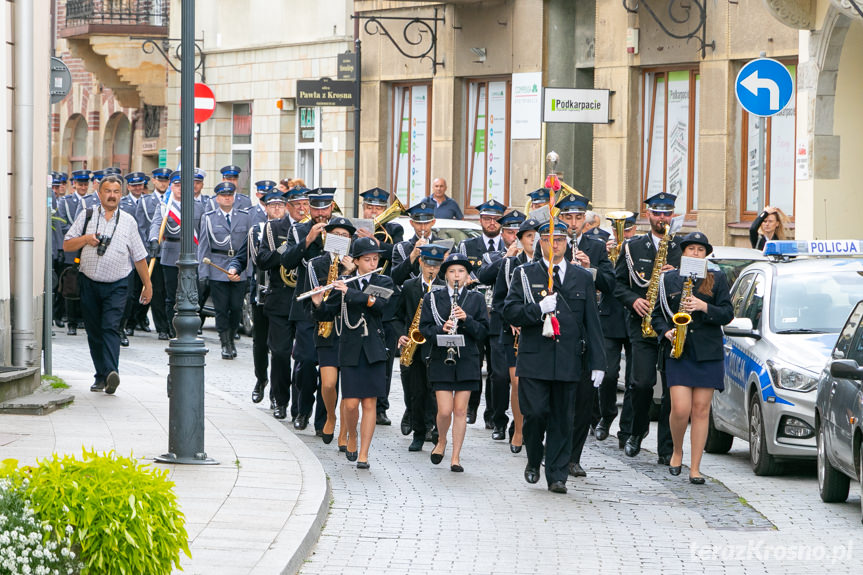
{"type": "Point", "coordinates": [788, 312]}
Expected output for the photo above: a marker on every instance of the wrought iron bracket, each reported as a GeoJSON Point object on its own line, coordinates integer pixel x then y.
{"type": "Point", "coordinates": [680, 13]}
{"type": "Point", "coordinates": [419, 34]}
{"type": "Point", "coordinates": [165, 46]}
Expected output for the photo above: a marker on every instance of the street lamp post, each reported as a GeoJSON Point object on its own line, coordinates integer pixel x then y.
{"type": "Point", "coordinates": [186, 352]}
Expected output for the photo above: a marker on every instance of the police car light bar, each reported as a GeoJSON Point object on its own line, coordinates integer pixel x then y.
{"type": "Point", "coordinates": [835, 248]}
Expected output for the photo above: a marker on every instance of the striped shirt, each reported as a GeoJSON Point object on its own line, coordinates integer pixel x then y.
{"type": "Point", "coordinates": [125, 248]}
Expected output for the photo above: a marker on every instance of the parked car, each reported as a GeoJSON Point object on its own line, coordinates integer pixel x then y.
{"type": "Point", "coordinates": [839, 414]}
{"type": "Point", "coordinates": [732, 260]}
{"type": "Point", "coordinates": [788, 312]}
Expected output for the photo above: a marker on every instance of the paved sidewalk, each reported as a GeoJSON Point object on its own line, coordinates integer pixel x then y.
{"type": "Point", "coordinates": [259, 511]}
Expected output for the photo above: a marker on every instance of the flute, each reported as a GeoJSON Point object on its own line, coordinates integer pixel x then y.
{"type": "Point", "coordinates": [328, 287]}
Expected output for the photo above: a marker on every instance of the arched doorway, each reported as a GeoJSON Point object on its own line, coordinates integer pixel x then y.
{"type": "Point", "coordinates": [75, 143]}
{"type": "Point", "coordinates": [115, 146]}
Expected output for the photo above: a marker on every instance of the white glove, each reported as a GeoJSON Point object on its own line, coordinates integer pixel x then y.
{"type": "Point", "coordinates": [597, 375]}
{"type": "Point", "coordinates": [549, 303]}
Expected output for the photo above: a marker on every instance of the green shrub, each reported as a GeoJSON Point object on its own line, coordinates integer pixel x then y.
{"type": "Point", "coordinates": [124, 514]}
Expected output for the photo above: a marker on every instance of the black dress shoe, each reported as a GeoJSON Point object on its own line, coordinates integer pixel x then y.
{"type": "Point", "coordinates": [471, 416]}
{"type": "Point", "coordinates": [319, 433]}
{"type": "Point", "coordinates": [436, 458]}
{"type": "Point", "coordinates": [576, 470]}
{"type": "Point", "coordinates": [696, 480]}
{"type": "Point", "coordinates": [363, 465]}
{"type": "Point", "coordinates": [81, 324]}
{"type": "Point", "coordinates": [351, 455]}
{"type": "Point", "coordinates": [515, 448]}
{"type": "Point", "coordinates": [71, 330]}
{"type": "Point", "coordinates": [382, 419]}
{"type": "Point", "coordinates": [258, 391]}
{"type": "Point", "coordinates": [498, 434]}
{"type": "Point", "coordinates": [98, 386]}
{"type": "Point", "coordinates": [280, 412]}
{"type": "Point", "coordinates": [407, 424]}
{"type": "Point", "coordinates": [416, 444]}
{"type": "Point", "coordinates": [456, 468]}
{"type": "Point", "coordinates": [112, 382]}
{"type": "Point", "coordinates": [237, 335]}
{"type": "Point", "coordinates": [633, 445]}
{"type": "Point", "coordinates": [128, 331]}
{"type": "Point", "coordinates": [273, 406]}
{"type": "Point", "coordinates": [59, 323]}
{"type": "Point", "coordinates": [601, 431]}
{"type": "Point", "coordinates": [124, 341]}
{"type": "Point", "coordinates": [531, 474]}
{"type": "Point", "coordinates": [144, 326]}
{"type": "Point", "coordinates": [663, 460]}
{"type": "Point", "coordinates": [675, 470]}
{"type": "Point", "coordinates": [557, 487]}
{"type": "Point", "coordinates": [621, 441]}
{"type": "Point", "coordinates": [343, 448]}
{"type": "Point", "coordinates": [489, 424]}
{"type": "Point", "coordinates": [163, 335]}
{"type": "Point", "coordinates": [301, 422]}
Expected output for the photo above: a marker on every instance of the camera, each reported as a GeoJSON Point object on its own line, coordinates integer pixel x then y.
{"type": "Point", "coordinates": [104, 242]}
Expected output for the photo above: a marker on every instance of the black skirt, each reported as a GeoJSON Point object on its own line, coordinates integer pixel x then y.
{"type": "Point", "coordinates": [364, 380]}
{"type": "Point", "coordinates": [328, 356]}
{"type": "Point", "coordinates": [696, 374]}
{"type": "Point", "coordinates": [456, 386]}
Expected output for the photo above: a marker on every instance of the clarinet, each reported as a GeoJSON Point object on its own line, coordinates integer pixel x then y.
{"type": "Point", "coordinates": [452, 351]}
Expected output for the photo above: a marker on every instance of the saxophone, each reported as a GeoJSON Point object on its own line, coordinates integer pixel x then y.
{"type": "Point", "coordinates": [414, 335]}
{"type": "Point", "coordinates": [653, 286]}
{"type": "Point", "coordinates": [289, 278]}
{"type": "Point", "coordinates": [681, 321]}
{"type": "Point", "coordinates": [325, 328]}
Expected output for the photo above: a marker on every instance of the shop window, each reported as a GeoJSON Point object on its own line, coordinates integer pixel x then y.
{"type": "Point", "coordinates": [487, 149]}
{"type": "Point", "coordinates": [780, 137]}
{"type": "Point", "coordinates": [671, 101]}
{"type": "Point", "coordinates": [410, 142]}
{"type": "Point", "coordinates": [241, 143]}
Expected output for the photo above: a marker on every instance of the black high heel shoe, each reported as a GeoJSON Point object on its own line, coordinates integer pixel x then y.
{"type": "Point", "coordinates": [675, 471]}
{"type": "Point", "coordinates": [515, 448]}
{"type": "Point", "coordinates": [437, 457]}
{"type": "Point", "coordinates": [351, 455]}
{"type": "Point", "coordinates": [696, 480]}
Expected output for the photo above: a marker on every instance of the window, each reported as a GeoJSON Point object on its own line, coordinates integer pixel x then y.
{"type": "Point", "coordinates": [75, 143]}
{"type": "Point", "coordinates": [410, 142]}
{"type": "Point", "coordinates": [487, 149]}
{"type": "Point", "coordinates": [843, 344]}
{"type": "Point", "coordinates": [756, 302]}
{"type": "Point", "coordinates": [780, 136]}
{"type": "Point", "coordinates": [308, 146]}
{"type": "Point", "coordinates": [670, 136]}
{"type": "Point", "coordinates": [241, 143]}
{"type": "Point", "coordinates": [738, 298]}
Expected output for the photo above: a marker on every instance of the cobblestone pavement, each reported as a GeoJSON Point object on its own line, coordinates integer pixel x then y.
{"type": "Point", "coordinates": [405, 515]}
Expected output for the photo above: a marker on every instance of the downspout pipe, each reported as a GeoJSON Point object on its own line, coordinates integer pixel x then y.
{"type": "Point", "coordinates": [23, 340]}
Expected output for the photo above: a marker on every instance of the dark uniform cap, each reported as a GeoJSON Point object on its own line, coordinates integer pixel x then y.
{"type": "Point", "coordinates": [81, 175]}
{"type": "Point", "coordinates": [363, 246]}
{"type": "Point", "coordinates": [560, 228]}
{"type": "Point", "coordinates": [540, 195]}
{"type": "Point", "coordinates": [321, 198]}
{"type": "Point", "coordinates": [175, 176]}
{"type": "Point", "coordinates": [97, 175]}
{"type": "Point", "coordinates": [231, 171]}
{"type": "Point", "coordinates": [295, 194]}
{"type": "Point", "coordinates": [162, 173]}
{"type": "Point", "coordinates": [58, 178]}
{"type": "Point", "coordinates": [491, 208]}
{"type": "Point", "coordinates": [512, 220]}
{"type": "Point", "coordinates": [376, 197]}
{"type": "Point", "coordinates": [274, 197]}
{"type": "Point", "coordinates": [696, 238]}
{"type": "Point", "coordinates": [136, 178]}
{"type": "Point", "coordinates": [661, 202]}
{"type": "Point", "coordinates": [112, 171]}
{"type": "Point", "coordinates": [225, 188]}
{"type": "Point", "coordinates": [572, 204]}
{"type": "Point", "coordinates": [528, 225]}
{"type": "Point", "coordinates": [340, 222]}
{"type": "Point", "coordinates": [265, 185]}
{"type": "Point", "coordinates": [432, 254]}
{"type": "Point", "coordinates": [200, 174]}
{"type": "Point", "coordinates": [456, 259]}
{"type": "Point", "coordinates": [422, 211]}
{"type": "Point", "coordinates": [630, 222]}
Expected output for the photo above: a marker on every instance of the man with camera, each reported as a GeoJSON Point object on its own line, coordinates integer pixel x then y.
{"type": "Point", "coordinates": [108, 242]}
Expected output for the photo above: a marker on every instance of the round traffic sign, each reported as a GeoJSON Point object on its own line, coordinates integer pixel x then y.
{"type": "Point", "coordinates": [764, 87]}
{"type": "Point", "coordinates": [205, 103]}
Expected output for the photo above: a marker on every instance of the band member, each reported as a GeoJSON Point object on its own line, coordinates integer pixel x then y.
{"type": "Point", "coordinates": [454, 372]}
{"type": "Point", "coordinates": [305, 244]}
{"type": "Point", "coordinates": [258, 212]}
{"type": "Point", "coordinates": [68, 209]}
{"type": "Point", "coordinates": [508, 333]}
{"type": "Point", "coordinates": [375, 202]}
{"type": "Point", "coordinates": [474, 248]}
{"type": "Point", "coordinates": [324, 270]}
{"type": "Point", "coordinates": [633, 272]}
{"type": "Point", "coordinates": [362, 346]}
{"type": "Point", "coordinates": [165, 242]}
{"type": "Point", "coordinates": [488, 275]}
{"type": "Point", "coordinates": [560, 338]}
{"type": "Point", "coordinates": [58, 188]}
{"type": "Point", "coordinates": [699, 367]}
{"type": "Point", "coordinates": [416, 374]}
{"type": "Point", "coordinates": [232, 174]}
{"type": "Point", "coordinates": [148, 207]}
{"type": "Point", "coordinates": [539, 198]}
{"type": "Point", "coordinates": [614, 318]}
{"type": "Point", "coordinates": [590, 254]}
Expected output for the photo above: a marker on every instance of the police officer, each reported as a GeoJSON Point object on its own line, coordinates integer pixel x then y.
{"type": "Point", "coordinates": [165, 242]}
{"type": "Point", "coordinates": [58, 189]}
{"type": "Point", "coordinates": [232, 174]}
{"type": "Point", "coordinates": [147, 209]}
{"type": "Point", "coordinates": [633, 273]}
{"type": "Point", "coordinates": [258, 212]}
{"type": "Point", "coordinates": [135, 185]}
{"type": "Point", "coordinates": [474, 248]}
{"type": "Point", "coordinates": [68, 209]}
{"type": "Point", "coordinates": [551, 358]}
{"type": "Point", "coordinates": [224, 233]}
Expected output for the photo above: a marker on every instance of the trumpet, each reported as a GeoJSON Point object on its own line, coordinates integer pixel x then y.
{"type": "Point", "coordinates": [618, 220]}
{"type": "Point", "coordinates": [452, 351]}
{"type": "Point", "coordinates": [328, 287]}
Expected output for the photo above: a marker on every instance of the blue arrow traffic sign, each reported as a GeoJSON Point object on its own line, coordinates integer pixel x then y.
{"type": "Point", "coordinates": [764, 87]}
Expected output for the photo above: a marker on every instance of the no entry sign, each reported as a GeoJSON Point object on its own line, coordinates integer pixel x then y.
{"type": "Point", "coordinates": [205, 103]}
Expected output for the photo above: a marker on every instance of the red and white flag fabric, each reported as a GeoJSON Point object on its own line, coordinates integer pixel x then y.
{"type": "Point", "coordinates": [174, 214]}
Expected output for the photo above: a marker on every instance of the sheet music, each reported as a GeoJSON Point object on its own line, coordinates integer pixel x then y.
{"type": "Point", "coordinates": [447, 340]}
{"type": "Point", "coordinates": [378, 291]}
{"type": "Point", "coordinates": [696, 267]}
{"type": "Point", "coordinates": [337, 245]}
{"type": "Point", "coordinates": [364, 224]}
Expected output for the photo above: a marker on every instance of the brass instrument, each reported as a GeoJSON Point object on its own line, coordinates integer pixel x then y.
{"type": "Point", "coordinates": [452, 351]}
{"type": "Point", "coordinates": [395, 210]}
{"type": "Point", "coordinates": [414, 334]}
{"type": "Point", "coordinates": [618, 220]}
{"type": "Point", "coordinates": [289, 278]}
{"type": "Point", "coordinates": [653, 287]}
{"type": "Point", "coordinates": [515, 343]}
{"type": "Point", "coordinates": [325, 328]}
{"type": "Point", "coordinates": [681, 321]}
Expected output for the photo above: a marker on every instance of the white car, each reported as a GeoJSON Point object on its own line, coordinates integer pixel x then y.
{"type": "Point", "coordinates": [456, 230]}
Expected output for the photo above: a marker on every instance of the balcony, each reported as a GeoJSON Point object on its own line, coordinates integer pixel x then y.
{"type": "Point", "coordinates": [115, 18]}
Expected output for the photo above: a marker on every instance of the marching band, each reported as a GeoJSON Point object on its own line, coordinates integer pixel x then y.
{"type": "Point", "coordinates": [546, 300]}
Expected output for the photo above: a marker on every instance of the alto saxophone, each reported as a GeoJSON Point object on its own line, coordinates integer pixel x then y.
{"type": "Point", "coordinates": [681, 321]}
{"type": "Point", "coordinates": [653, 286]}
{"type": "Point", "coordinates": [415, 336]}
{"type": "Point", "coordinates": [325, 328]}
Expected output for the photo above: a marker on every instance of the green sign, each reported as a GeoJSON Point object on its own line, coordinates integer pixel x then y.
{"type": "Point", "coordinates": [479, 142]}
{"type": "Point", "coordinates": [404, 144]}
{"type": "Point", "coordinates": [163, 158]}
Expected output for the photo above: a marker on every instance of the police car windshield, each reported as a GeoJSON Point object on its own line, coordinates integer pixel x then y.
{"type": "Point", "coordinates": [814, 302]}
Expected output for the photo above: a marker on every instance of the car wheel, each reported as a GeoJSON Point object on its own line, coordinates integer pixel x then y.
{"type": "Point", "coordinates": [833, 485]}
{"type": "Point", "coordinates": [717, 441]}
{"type": "Point", "coordinates": [860, 477]}
{"type": "Point", "coordinates": [248, 322]}
{"type": "Point", "coordinates": [762, 462]}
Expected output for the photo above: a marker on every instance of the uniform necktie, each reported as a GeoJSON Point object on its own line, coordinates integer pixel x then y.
{"type": "Point", "coordinates": [557, 275]}
{"type": "Point", "coordinates": [363, 284]}
{"type": "Point", "coordinates": [491, 245]}
{"type": "Point", "coordinates": [228, 217]}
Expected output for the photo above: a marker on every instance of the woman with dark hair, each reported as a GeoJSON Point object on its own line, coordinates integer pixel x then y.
{"type": "Point", "coordinates": [700, 367]}
{"type": "Point", "coordinates": [769, 225]}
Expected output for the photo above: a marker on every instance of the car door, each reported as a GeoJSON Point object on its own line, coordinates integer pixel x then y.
{"type": "Point", "coordinates": [842, 395]}
{"type": "Point", "coordinates": [729, 407]}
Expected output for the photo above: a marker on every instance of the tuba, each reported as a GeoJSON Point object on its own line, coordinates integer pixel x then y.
{"type": "Point", "coordinates": [618, 220]}
{"type": "Point", "coordinates": [395, 210]}
{"type": "Point", "coordinates": [653, 287]}
{"type": "Point", "coordinates": [681, 321]}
